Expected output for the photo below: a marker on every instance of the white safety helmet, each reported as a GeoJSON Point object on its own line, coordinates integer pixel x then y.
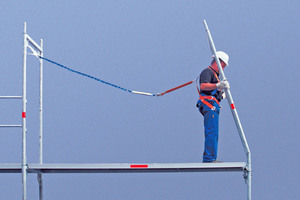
{"type": "Point", "coordinates": [223, 56]}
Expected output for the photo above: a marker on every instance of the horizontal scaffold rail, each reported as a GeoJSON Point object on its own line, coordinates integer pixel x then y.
{"type": "Point", "coordinates": [125, 167]}
{"type": "Point", "coordinates": [10, 97]}
{"type": "Point", "coordinates": [10, 126]}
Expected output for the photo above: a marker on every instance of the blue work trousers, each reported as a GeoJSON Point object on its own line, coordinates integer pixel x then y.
{"type": "Point", "coordinates": [211, 129]}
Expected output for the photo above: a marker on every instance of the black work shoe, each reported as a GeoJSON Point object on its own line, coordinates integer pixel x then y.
{"type": "Point", "coordinates": [215, 161]}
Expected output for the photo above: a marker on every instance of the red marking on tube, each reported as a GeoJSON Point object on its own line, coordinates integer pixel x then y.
{"type": "Point", "coordinates": [138, 166]}
{"type": "Point", "coordinates": [232, 106]}
{"type": "Point", "coordinates": [23, 114]}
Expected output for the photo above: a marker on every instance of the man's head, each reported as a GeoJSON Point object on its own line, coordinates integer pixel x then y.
{"type": "Point", "coordinates": [223, 57]}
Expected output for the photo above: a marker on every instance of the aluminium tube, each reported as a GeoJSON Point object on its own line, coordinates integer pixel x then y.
{"type": "Point", "coordinates": [34, 44]}
{"type": "Point", "coordinates": [234, 112]}
{"type": "Point", "coordinates": [228, 94]}
{"type": "Point", "coordinates": [24, 159]}
{"type": "Point", "coordinates": [40, 176]}
{"type": "Point", "coordinates": [10, 126]}
{"type": "Point", "coordinates": [10, 97]}
{"type": "Point", "coordinates": [41, 104]}
{"type": "Point", "coordinates": [40, 180]}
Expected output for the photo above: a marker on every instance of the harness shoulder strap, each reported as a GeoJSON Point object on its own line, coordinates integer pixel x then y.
{"type": "Point", "coordinates": [215, 73]}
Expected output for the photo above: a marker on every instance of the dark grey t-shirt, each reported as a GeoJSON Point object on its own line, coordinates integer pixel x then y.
{"type": "Point", "coordinates": [208, 76]}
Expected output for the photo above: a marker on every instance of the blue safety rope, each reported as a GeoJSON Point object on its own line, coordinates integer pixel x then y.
{"type": "Point", "coordinates": [110, 84]}
{"type": "Point", "coordinates": [83, 74]}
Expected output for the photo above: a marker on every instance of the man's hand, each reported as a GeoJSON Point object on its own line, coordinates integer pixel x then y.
{"type": "Point", "coordinates": [224, 84]}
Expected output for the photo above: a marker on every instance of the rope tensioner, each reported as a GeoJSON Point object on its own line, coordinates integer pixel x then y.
{"type": "Point", "coordinates": [113, 85]}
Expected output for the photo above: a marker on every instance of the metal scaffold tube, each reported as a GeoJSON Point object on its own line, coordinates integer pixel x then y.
{"type": "Point", "coordinates": [234, 114]}
{"type": "Point", "coordinates": [40, 176]}
{"type": "Point", "coordinates": [41, 104]}
{"type": "Point", "coordinates": [24, 159]}
{"type": "Point", "coordinates": [37, 51]}
{"type": "Point", "coordinates": [10, 97]}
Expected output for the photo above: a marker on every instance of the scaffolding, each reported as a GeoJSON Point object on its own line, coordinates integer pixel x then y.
{"type": "Point", "coordinates": [40, 168]}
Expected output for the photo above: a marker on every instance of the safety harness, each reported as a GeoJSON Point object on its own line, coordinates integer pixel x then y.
{"type": "Point", "coordinates": [203, 98]}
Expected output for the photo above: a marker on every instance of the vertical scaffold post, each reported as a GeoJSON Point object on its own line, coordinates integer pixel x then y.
{"type": "Point", "coordinates": [234, 114]}
{"type": "Point", "coordinates": [24, 99]}
{"type": "Point", "coordinates": [37, 50]}
{"type": "Point", "coordinates": [40, 181]}
{"type": "Point", "coordinates": [40, 176]}
{"type": "Point", "coordinates": [41, 103]}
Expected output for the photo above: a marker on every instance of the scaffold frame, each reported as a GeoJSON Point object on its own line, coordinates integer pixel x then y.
{"type": "Point", "coordinates": [40, 168]}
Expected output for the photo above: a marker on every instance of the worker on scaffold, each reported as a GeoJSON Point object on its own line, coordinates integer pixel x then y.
{"type": "Point", "coordinates": [211, 93]}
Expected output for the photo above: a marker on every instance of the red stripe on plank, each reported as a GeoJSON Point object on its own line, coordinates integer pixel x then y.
{"type": "Point", "coordinates": [138, 166]}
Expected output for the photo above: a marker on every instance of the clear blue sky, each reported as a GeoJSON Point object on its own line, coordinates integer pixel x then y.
{"type": "Point", "coordinates": [152, 46]}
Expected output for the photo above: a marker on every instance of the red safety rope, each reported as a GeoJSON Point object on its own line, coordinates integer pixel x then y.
{"type": "Point", "coordinates": [175, 88]}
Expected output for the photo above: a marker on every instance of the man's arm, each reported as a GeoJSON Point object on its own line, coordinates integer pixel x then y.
{"type": "Point", "coordinates": [208, 86]}
{"type": "Point", "coordinates": [224, 84]}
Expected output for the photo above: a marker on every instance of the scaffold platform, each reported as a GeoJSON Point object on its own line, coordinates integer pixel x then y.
{"type": "Point", "coordinates": [124, 167]}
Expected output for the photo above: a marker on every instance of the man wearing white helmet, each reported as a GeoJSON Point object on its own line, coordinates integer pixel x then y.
{"type": "Point", "coordinates": [209, 104]}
